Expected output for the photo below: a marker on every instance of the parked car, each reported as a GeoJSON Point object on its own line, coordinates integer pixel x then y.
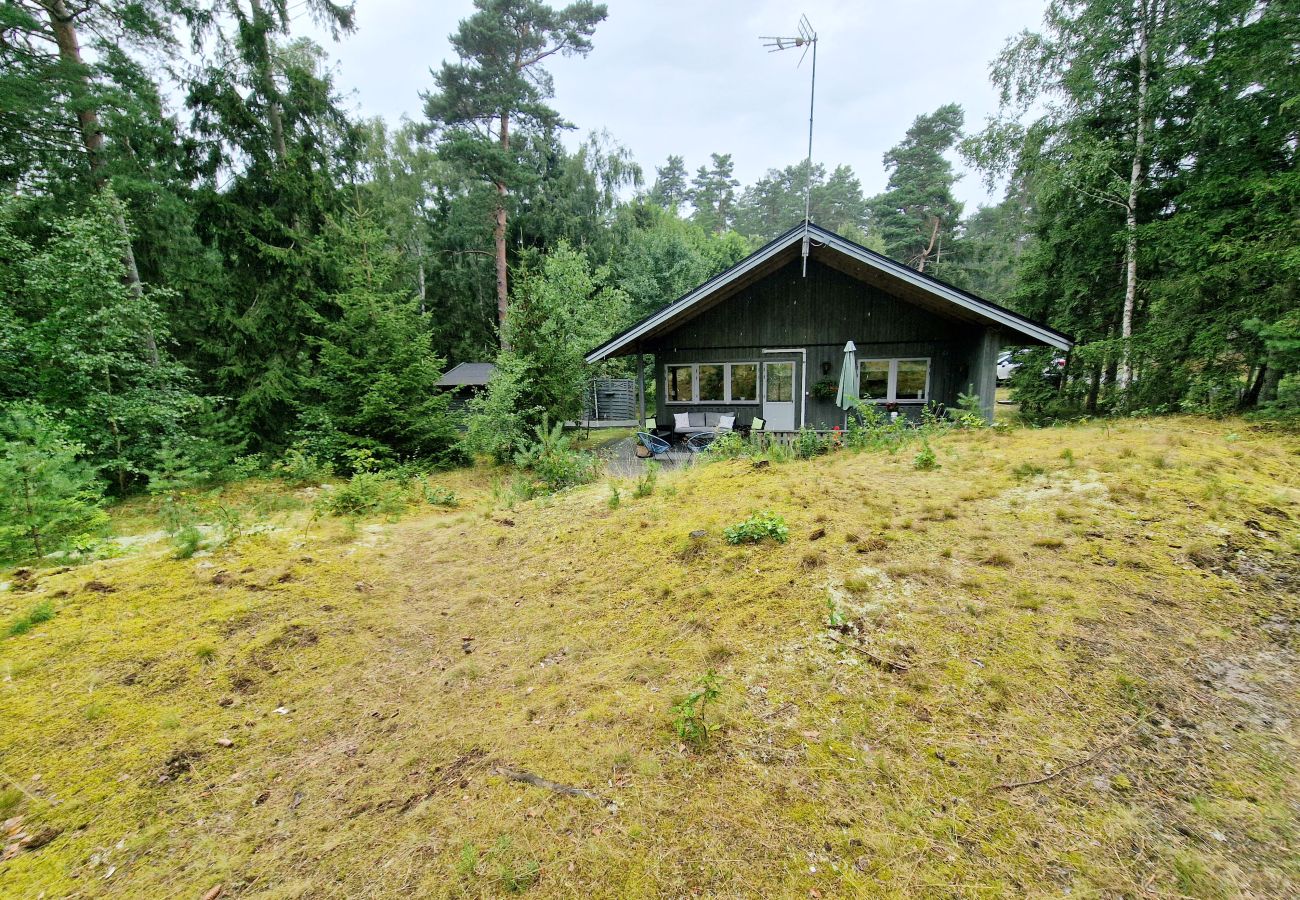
{"type": "Point", "coordinates": [1009, 361]}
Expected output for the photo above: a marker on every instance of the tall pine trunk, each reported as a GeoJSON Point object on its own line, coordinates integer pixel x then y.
{"type": "Point", "coordinates": [274, 111]}
{"type": "Point", "coordinates": [1134, 187]}
{"type": "Point", "coordinates": [499, 238]}
{"type": "Point", "coordinates": [92, 139]}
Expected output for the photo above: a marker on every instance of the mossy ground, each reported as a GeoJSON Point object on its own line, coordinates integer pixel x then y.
{"type": "Point", "coordinates": [1128, 609]}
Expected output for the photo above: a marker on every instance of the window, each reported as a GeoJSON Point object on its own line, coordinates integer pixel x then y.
{"type": "Point", "coordinates": [911, 378]}
{"type": "Point", "coordinates": [780, 382]}
{"type": "Point", "coordinates": [873, 379]}
{"type": "Point", "coordinates": [744, 382]}
{"type": "Point", "coordinates": [711, 388]}
{"type": "Point", "coordinates": [681, 384]}
{"type": "Point", "coordinates": [894, 380]}
{"type": "Point", "coordinates": [712, 383]}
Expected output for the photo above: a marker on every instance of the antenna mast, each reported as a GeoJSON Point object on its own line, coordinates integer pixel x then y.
{"type": "Point", "coordinates": [806, 39]}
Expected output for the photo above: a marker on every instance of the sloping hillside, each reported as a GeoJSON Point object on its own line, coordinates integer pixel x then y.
{"type": "Point", "coordinates": [1065, 660]}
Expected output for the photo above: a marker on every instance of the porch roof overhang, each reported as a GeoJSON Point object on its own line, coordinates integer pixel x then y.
{"type": "Point", "coordinates": [839, 253]}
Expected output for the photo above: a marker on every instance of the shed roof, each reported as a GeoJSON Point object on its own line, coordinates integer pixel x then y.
{"type": "Point", "coordinates": [467, 374]}
{"type": "Point", "coordinates": [838, 252]}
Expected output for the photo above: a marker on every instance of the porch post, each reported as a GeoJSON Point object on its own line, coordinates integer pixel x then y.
{"type": "Point", "coordinates": [640, 389]}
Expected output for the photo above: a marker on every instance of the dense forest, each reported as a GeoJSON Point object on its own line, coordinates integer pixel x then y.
{"type": "Point", "coordinates": [206, 260]}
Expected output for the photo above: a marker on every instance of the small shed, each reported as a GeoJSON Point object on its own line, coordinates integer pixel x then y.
{"type": "Point", "coordinates": [464, 381]}
{"type": "Point", "coordinates": [610, 399]}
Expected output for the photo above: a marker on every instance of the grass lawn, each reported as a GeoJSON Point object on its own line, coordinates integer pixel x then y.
{"type": "Point", "coordinates": [1065, 660]}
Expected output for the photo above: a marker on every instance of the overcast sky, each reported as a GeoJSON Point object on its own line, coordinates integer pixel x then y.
{"type": "Point", "coordinates": [690, 76]}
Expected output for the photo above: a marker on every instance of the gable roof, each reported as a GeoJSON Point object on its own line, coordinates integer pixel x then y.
{"type": "Point", "coordinates": [467, 374]}
{"type": "Point", "coordinates": [840, 253]}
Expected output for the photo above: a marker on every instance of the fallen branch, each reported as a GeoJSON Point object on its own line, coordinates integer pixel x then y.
{"type": "Point", "coordinates": [1012, 785]}
{"type": "Point", "coordinates": [539, 781]}
{"type": "Point", "coordinates": [887, 664]}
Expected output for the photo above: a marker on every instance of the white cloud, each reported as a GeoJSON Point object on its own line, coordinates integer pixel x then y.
{"type": "Point", "coordinates": [691, 77]}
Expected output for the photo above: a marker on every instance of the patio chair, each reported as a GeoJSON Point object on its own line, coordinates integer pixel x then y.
{"type": "Point", "coordinates": [656, 445]}
{"type": "Point", "coordinates": [757, 428]}
{"type": "Point", "coordinates": [698, 443]}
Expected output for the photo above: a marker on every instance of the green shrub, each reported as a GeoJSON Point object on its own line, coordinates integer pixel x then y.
{"type": "Point", "coordinates": [615, 498]}
{"type": "Point", "coordinates": [41, 612]}
{"type": "Point", "coordinates": [553, 462]}
{"type": "Point", "coordinates": [690, 713]}
{"type": "Point", "coordinates": [729, 445]}
{"type": "Point", "coordinates": [808, 444]}
{"type": "Point", "coordinates": [645, 483]}
{"type": "Point", "coordinates": [437, 495]}
{"type": "Point", "coordinates": [365, 493]}
{"type": "Point", "coordinates": [49, 497]}
{"type": "Point", "coordinates": [299, 467]}
{"type": "Point", "coordinates": [925, 458]}
{"type": "Point", "coordinates": [757, 527]}
{"type": "Point", "coordinates": [187, 541]}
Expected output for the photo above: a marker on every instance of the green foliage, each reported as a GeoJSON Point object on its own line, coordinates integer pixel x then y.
{"type": "Point", "coordinates": [553, 462]}
{"type": "Point", "coordinates": [615, 497]}
{"type": "Point", "coordinates": [437, 495]}
{"type": "Point", "coordinates": [645, 482]}
{"type": "Point", "coordinates": [49, 496]}
{"type": "Point", "coordinates": [808, 444]}
{"type": "Point", "coordinates": [40, 612]}
{"type": "Point", "coordinates": [730, 445]}
{"type": "Point", "coordinates": [968, 413]}
{"type": "Point", "coordinates": [917, 215]}
{"type": "Point", "coordinates": [373, 383]}
{"type": "Point", "coordinates": [366, 493]}
{"type": "Point", "coordinates": [690, 714]}
{"type": "Point", "coordinates": [925, 459]}
{"type": "Point", "coordinates": [757, 528]}
{"type": "Point", "coordinates": [78, 340]}
{"type": "Point", "coordinates": [301, 468]}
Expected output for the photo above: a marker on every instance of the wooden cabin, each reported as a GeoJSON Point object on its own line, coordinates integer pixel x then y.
{"type": "Point", "coordinates": [757, 339]}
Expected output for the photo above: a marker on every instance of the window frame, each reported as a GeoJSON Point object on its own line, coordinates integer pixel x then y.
{"type": "Point", "coordinates": [891, 393]}
{"type": "Point", "coordinates": [726, 383]}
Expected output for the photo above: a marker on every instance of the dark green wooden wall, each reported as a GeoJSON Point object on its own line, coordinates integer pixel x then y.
{"type": "Point", "coordinates": [820, 313]}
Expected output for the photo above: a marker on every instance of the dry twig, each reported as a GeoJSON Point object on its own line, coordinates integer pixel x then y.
{"type": "Point", "coordinates": [539, 781]}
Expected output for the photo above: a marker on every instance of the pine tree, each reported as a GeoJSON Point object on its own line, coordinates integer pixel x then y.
{"type": "Point", "coordinates": [498, 84]}
{"type": "Point", "coordinates": [917, 215]}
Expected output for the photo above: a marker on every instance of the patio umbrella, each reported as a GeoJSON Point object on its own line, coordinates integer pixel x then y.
{"type": "Point", "coordinates": [847, 395]}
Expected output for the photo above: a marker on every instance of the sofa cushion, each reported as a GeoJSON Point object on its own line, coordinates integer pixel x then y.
{"type": "Point", "coordinates": [711, 419]}
{"type": "Point", "coordinates": [681, 421]}
{"type": "Point", "coordinates": [727, 422]}
{"type": "Point", "coordinates": [697, 420]}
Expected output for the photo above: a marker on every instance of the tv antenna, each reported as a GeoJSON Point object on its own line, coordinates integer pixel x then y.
{"type": "Point", "coordinates": [805, 40]}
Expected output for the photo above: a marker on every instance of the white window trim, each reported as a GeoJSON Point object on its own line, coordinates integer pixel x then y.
{"type": "Point", "coordinates": [726, 384]}
{"type": "Point", "coordinates": [892, 390]}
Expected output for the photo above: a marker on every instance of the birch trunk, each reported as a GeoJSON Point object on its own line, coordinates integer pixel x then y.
{"type": "Point", "coordinates": [1134, 187]}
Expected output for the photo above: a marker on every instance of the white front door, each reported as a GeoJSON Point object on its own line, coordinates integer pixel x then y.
{"type": "Point", "coordinates": [778, 395]}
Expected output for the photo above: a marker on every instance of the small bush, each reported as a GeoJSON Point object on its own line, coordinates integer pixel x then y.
{"type": "Point", "coordinates": [298, 468]}
{"type": "Point", "coordinates": [729, 445]}
{"type": "Point", "coordinates": [925, 458]}
{"type": "Point", "coordinates": [436, 495]}
{"type": "Point", "coordinates": [615, 498]}
{"type": "Point", "coordinates": [41, 612]}
{"type": "Point", "coordinates": [1027, 470]}
{"type": "Point", "coordinates": [365, 493]}
{"type": "Point", "coordinates": [756, 528]}
{"type": "Point", "coordinates": [645, 483]}
{"type": "Point", "coordinates": [187, 541]}
{"type": "Point", "coordinates": [551, 460]}
{"type": "Point", "coordinates": [807, 444]}
{"type": "Point", "coordinates": [690, 713]}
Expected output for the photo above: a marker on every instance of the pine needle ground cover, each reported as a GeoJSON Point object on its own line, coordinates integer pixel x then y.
{"type": "Point", "coordinates": [1061, 660]}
